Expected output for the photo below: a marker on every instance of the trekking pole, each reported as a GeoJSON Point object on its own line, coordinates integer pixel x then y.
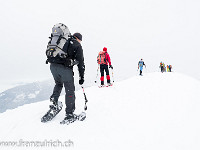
{"type": "Point", "coordinates": [85, 107]}
{"type": "Point", "coordinates": [97, 74]}
{"type": "Point", "coordinates": [113, 76]}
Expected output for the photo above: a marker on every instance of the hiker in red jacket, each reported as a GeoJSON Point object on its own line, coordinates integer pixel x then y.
{"type": "Point", "coordinates": [104, 60]}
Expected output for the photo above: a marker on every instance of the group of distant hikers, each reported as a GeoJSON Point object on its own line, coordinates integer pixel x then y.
{"type": "Point", "coordinates": [163, 67]}
{"type": "Point", "coordinates": [63, 51]}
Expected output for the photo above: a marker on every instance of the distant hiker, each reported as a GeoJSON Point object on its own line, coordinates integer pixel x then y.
{"type": "Point", "coordinates": [63, 52]}
{"type": "Point", "coordinates": [104, 59]}
{"type": "Point", "coordinates": [140, 66]}
{"type": "Point", "coordinates": [170, 68]}
{"type": "Point", "coordinates": [167, 68]}
{"type": "Point", "coordinates": [162, 66]}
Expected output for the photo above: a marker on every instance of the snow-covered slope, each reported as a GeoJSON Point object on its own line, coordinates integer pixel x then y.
{"type": "Point", "coordinates": [153, 112]}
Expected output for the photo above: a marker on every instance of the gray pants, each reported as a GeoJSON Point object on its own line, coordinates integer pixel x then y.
{"type": "Point", "coordinates": [64, 76]}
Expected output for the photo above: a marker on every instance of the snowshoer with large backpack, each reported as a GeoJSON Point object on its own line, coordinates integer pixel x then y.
{"type": "Point", "coordinates": [103, 59]}
{"type": "Point", "coordinates": [140, 66]}
{"type": "Point", "coordinates": [63, 52]}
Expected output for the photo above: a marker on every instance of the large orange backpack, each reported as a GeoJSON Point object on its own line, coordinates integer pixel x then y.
{"type": "Point", "coordinates": [101, 58]}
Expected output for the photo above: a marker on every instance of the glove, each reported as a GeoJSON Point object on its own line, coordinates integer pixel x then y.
{"type": "Point", "coordinates": [111, 66]}
{"type": "Point", "coordinates": [81, 81]}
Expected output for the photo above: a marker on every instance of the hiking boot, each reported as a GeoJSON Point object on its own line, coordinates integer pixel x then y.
{"type": "Point", "coordinates": [101, 86]}
{"type": "Point", "coordinates": [55, 101]}
{"type": "Point", "coordinates": [70, 117]}
{"type": "Point", "coordinates": [109, 84]}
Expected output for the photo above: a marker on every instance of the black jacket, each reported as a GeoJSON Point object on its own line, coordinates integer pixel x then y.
{"type": "Point", "coordinates": [75, 52]}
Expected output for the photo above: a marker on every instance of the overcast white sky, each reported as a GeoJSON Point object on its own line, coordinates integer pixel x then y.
{"type": "Point", "coordinates": [155, 30]}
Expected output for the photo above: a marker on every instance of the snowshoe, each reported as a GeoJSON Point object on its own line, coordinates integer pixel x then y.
{"type": "Point", "coordinates": [101, 86]}
{"type": "Point", "coordinates": [70, 118]}
{"type": "Point", "coordinates": [53, 111]}
{"type": "Point", "coordinates": [109, 84]}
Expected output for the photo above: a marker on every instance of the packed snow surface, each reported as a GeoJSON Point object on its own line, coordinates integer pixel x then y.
{"type": "Point", "coordinates": [157, 111]}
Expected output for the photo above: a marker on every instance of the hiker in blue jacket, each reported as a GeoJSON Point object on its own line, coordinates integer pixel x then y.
{"type": "Point", "coordinates": [140, 66]}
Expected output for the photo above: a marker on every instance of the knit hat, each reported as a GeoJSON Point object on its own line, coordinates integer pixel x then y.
{"type": "Point", "coordinates": [78, 35]}
{"type": "Point", "coordinates": [105, 49]}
